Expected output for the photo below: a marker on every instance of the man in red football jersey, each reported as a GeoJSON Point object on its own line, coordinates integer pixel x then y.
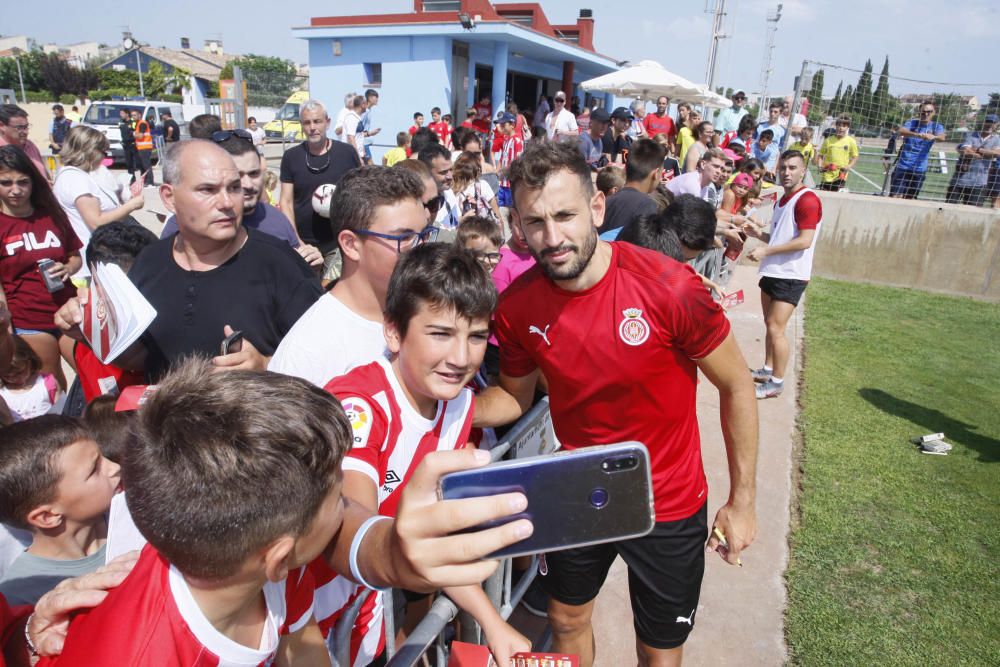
{"type": "Point", "coordinates": [619, 333]}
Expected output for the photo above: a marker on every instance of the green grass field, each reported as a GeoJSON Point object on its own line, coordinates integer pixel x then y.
{"type": "Point", "coordinates": [895, 555]}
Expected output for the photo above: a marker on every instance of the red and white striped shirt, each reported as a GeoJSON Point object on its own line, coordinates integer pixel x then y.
{"type": "Point", "coordinates": [390, 440]}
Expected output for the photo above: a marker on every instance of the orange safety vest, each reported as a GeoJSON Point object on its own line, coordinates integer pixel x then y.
{"type": "Point", "coordinates": [143, 137]}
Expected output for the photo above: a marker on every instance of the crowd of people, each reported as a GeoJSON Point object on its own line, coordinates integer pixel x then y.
{"type": "Point", "coordinates": [315, 367]}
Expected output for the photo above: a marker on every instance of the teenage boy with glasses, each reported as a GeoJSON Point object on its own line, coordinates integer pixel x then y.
{"type": "Point", "coordinates": [380, 213]}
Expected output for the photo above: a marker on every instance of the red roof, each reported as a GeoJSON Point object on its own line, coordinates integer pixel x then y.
{"type": "Point", "coordinates": [580, 33]}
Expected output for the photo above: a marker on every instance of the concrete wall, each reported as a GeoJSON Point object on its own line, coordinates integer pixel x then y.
{"type": "Point", "coordinates": [926, 245]}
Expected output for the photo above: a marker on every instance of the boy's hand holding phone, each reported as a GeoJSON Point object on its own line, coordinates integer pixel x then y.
{"type": "Point", "coordinates": [427, 552]}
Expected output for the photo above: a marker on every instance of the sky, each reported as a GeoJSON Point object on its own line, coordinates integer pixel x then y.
{"type": "Point", "coordinates": [939, 42]}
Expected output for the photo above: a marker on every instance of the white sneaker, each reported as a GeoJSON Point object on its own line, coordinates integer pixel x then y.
{"type": "Point", "coordinates": [769, 389]}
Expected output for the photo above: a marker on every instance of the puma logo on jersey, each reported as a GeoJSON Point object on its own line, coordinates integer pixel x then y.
{"type": "Point", "coordinates": [29, 241]}
{"type": "Point", "coordinates": [544, 334]}
{"type": "Point", "coordinates": [681, 619]}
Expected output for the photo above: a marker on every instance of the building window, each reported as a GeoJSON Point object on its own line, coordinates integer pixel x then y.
{"type": "Point", "coordinates": [373, 75]}
{"type": "Point", "coordinates": [442, 5]}
{"type": "Point", "coordinates": [525, 19]}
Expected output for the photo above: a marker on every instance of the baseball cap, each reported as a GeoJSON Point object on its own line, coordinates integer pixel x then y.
{"type": "Point", "coordinates": [600, 115]}
{"type": "Point", "coordinates": [746, 180]}
{"type": "Point", "coordinates": [622, 113]}
{"type": "Point", "coordinates": [738, 93]}
{"type": "Point", "coordinates": [732, 155]}
{"type": "Point", "coordinates": [560, 96]}
{"type": "Point", "coordinates": [506, 117]}
{"type": "Point", "coordinates": [992, 118]}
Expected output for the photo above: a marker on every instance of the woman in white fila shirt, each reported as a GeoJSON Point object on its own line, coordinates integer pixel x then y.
{"type": "Point", "coordinates": [785, 266]}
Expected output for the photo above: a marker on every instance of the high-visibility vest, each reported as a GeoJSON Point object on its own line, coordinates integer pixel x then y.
{"type": "Point", "coordinates": [143, 137]}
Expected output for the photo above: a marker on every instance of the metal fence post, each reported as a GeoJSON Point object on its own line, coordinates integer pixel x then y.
{"type": "Point", "coordinates": [800, 83]}
{"type": "Point", "coordinates": [240, 108]}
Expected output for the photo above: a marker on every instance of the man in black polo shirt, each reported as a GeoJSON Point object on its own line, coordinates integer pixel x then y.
{"type": "Point", "coordinates": [642, 175]}
{"type": "Point", "coordinates": [315, 162]}
{"type": "Point", "coordinates": [214, 276]}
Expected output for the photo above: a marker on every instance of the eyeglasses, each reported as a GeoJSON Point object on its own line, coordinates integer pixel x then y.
{"type": "Point", "coordinates": [434, 205]}
{"type": "Point", "coordinates": [20, 128]}
{"type": "Point", "coordinates": [487, 259]}
{"type": "Point", "coordinates": [405, 242]}
{"type": "Point", "coordinates": [559, 101]}
{"type": "Point", "coordinates": [224, 135]}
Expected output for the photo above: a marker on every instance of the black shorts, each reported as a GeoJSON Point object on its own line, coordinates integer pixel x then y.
{"type": "Point", "coordinates": [665, 569]}
{"type": "Point", "coordinates": [783, 289]}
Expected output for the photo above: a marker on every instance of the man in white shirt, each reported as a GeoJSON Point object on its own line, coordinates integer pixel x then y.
{"type": "Point", "coordinates": [380, 212]}
{"type": "Point", "coordinates": [703, 182]}
{"type": "Point", "coordinates": [560, 124]}
{"type": "Point", "coordinates": [338, 124]}
{"type": "Point", "coordinates": [353, 134]}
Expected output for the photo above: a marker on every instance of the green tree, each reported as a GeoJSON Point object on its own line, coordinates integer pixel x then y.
{"type": "Point", "coordinates": [125, 79]}
{"type": "Point", "coordinates": [881, 99]}
{"type": "Point", "coordinates": [837, 101]}
{"type": "Point", "coordinates": [862, 99]}
{"type": "Point", "coordinates": [31, 71]}
{"type": "Point", "coordinates": [270, 80]}
{"type": "Point", "coordinates": [847, 101]}
{"type": "Point", "coordinates": [815, 97]}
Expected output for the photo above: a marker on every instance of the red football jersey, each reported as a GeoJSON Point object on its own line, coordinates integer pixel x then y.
{"type": "Point", "coordinates": [619, 359]}
{"type": "Point", "coordinates": [152, 619]}
{"type": "Point", "coordinates": [390, 440]}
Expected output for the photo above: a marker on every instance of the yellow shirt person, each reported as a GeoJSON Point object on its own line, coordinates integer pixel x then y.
{"type": "Point", "coordinates": [837, 155]}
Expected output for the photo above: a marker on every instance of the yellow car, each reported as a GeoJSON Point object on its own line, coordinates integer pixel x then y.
{"type": "Point", "coordinates": [286, 123]}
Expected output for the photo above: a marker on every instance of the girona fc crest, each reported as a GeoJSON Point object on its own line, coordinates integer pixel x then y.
{"type": "Point", "coordinates": [633, 330]}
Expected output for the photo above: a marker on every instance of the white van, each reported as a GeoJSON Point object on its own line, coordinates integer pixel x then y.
{"type": "Point", "coordinates": [105, 116]}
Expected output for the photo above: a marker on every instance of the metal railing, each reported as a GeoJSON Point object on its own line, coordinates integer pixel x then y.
{"type": "Point", "coordinates": [532, 434]}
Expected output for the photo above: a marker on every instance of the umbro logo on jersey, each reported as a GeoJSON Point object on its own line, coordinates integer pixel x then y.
{"type": "Point", "coordinates": [544, 334]}
{"type": "Point", "coordinates": [28, 241]}
{"type": "Point", "coordinates": [391, 477]}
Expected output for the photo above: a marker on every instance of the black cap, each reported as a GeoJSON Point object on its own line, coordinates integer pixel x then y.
{"type": "Point", "coordinates": [600, 115]}
{"type": "Point", "coordinates": [621, 113]}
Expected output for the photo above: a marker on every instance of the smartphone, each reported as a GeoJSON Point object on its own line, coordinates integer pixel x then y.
{"type": "Point", "coordinates": [575, 498]}
{"type": "Point", "coordinates": [232, 343]}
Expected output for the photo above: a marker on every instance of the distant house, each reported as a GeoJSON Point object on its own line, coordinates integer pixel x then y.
{"type": "Point", "coordinates": [205, 66]}
{"type": "Point", "coordinates": [77, 55]}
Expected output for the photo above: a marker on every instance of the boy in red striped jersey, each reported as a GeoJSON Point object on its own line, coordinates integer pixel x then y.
{"type": "Point", "coordinates": [437, 317]}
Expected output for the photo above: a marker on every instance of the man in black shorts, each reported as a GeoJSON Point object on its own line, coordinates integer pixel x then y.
{"type": "Point", "coordinates": [785, 266]}
{"type": "Point", "coordinates": [620, 333]}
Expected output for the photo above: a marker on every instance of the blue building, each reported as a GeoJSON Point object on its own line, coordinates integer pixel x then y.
{"type": "Point", "coordinates": [450, 54]}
